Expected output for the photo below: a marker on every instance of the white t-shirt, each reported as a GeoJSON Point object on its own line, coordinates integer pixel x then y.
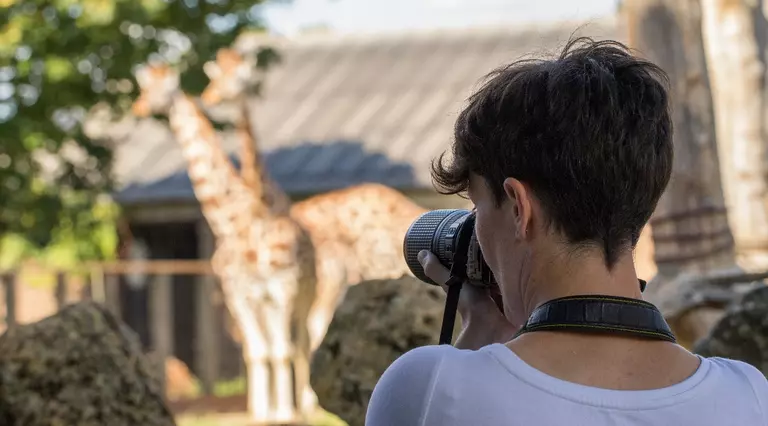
{"type": "Point", "coordinates": [445, 386]}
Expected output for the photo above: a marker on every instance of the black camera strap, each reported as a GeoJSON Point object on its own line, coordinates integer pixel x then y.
{"type": "Point", "coordinates": [595, 313]}
{"type": "Point", "coordinates": [600, 314]}
{"type": "Point", "coordinates": [458, 276]}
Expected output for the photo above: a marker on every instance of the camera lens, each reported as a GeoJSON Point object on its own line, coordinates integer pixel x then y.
{"type": "Point", "coordinates": [434, 231]}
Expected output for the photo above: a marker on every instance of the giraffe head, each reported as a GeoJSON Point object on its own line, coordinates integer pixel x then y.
{"type": "Point", "coordinates": [231, 75]}
{"type": "Point", "coordinates": [157, 84]}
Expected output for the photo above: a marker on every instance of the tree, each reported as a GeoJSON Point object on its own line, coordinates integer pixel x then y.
{"type": "Point", "coordinates": [690, 226]}
{"type": "Point", "coordinates": [738, 69]}
{"type": "Point", "coordinates": [691, 212]}
{"type": "Point", "coordinates": [62, 60]}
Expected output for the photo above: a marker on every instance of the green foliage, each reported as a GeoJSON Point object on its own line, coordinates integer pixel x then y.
{"type": "Point", "coordinates": [13, 248]}
{"type": "Point", "coordinates": [58, 60]}
{"type": "Point", "coordinates": [236, 386]}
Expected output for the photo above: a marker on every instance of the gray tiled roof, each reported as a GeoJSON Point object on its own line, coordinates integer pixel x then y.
{"type": "Point", "coordinates": [340, 111]}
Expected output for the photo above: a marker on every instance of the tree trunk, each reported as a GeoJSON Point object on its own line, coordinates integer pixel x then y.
{"type": "Point", "coordinates": [736, 64]}
{"type": "Point", "coordinates": [690, 226]}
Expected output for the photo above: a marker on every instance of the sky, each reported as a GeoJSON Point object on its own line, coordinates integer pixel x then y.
{"type": "Point", "coordinates": [355, 16]}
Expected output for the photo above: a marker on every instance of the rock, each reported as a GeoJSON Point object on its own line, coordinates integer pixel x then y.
{"type": "Point", "coordinates": [693, 303]}
{"type": "Point", "coordinates": [742, 333]}
{"type": "Point", "coordinates": [376, 323]}
{"type": "Point", "coordinates": [179, 381]}
{"type": "Point", "coordinates": [79, 367]}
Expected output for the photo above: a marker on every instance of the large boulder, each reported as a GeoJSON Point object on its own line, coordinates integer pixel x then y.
{"type": "Point", "coordinates": [376, 323]}
{"type": "Point", "coordinates": [742, 333]}
{"type": "Point", "coordinates": [80, 367]}
{"type": "Point", "coordinates": [693, 303]}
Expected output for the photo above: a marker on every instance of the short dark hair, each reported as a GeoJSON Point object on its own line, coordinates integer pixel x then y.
{"type": "Point", "coordinates": [589, 131]}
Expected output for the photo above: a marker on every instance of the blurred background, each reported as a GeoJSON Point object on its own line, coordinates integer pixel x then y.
{"type": "Point", "coordinates": [96, 202]}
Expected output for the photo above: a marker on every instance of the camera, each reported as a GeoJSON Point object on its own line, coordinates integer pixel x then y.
{"type": "Point", "coordinates": [438, 231]}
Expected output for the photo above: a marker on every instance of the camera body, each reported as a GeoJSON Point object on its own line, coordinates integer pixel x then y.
{"type": "Point", "coordinates": [438, 232]}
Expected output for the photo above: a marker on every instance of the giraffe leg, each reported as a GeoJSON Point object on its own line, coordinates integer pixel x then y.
{"type": "Point", "coordinates": [255, 345]}
{"type": "Point", "coordinates": [258, 388]}
{"type": "Point", "coordinates": [280, 353]}
{"type": "Point", "coordinates": [316, 327]}
{"type": "Point", "coordinates": [332, 279]}
{"type": "Point", "coordinates": [305, 395]}
{"type": "Point", "coordinates": [306, 400]}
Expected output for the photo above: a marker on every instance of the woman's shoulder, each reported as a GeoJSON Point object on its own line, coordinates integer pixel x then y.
{"type": "Point", "coordinates": [419, 365]}
{"type": "Point", "coordinates": [429, 352]}
{"type": "Point", "coordinates": [741, 374]}
{"type": "Point", "coordinates": [405, 390]}
{"type": "Point", "coordinates": [742, 382]}
{"type": "Point", "coordinates": [428, 360]}
{"type": "Point", "coordinates": [738, 371]}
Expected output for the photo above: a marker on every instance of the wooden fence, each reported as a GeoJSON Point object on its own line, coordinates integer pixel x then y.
{"type": "Point", "coordinates": [104, 286]}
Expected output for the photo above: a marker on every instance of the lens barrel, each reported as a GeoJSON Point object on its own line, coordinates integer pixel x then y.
{"type": "Point", "coordinates": [435, 231]}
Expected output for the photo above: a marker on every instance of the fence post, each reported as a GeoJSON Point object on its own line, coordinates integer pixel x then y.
{"type": "Point", "coordinates": [98, 286]}
{"type": "Point", "coordinates": [207, 326]}
{"type": "Point", "coordinates": [10, 298]}
{"type": "Point", "coordinates": [206, 345]}
{"type": "Point", "coordinates": [61, 290]}
{"type": "Point", "coordinates": [161, 317]}
{"type": "Point", "coordinates": [112, 294]}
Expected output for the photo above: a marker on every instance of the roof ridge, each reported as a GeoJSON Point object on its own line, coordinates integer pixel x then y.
{"type": "Point", "coordinates": [357, 38]}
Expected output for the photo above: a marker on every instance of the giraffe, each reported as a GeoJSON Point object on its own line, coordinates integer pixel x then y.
{"type": "Point", "coordinates": [254, 175]}
{"type": "Point", "coordinates": [259, 257]}
{"type": "Point", "coordinates": [357, 232]}
{"type": "Point", "coordinates": [360, 230]}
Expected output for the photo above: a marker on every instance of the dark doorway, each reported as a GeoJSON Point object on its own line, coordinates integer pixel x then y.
{"type": "Point", "coordinates": [163, 241]}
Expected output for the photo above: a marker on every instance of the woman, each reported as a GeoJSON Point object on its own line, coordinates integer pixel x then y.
{"type": "Point", "coordinates": [564, 160]}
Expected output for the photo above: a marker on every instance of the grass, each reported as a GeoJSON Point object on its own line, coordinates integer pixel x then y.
{"type": "Point", "coordinates": [236, 386]}
{"type": "Point", "coordinates": [322, 418]}
{"type": "Point", "coordinates": [221, 388]}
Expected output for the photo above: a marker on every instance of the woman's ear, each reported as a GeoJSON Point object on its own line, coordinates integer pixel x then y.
{"type": "Point", "coordinates": [520, 202]}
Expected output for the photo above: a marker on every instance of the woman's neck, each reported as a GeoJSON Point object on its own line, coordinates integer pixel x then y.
{"type": "Point", "coordinates": [579, 274]}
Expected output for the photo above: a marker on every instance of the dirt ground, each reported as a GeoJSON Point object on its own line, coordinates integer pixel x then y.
{"type": "Point", "coordinates": [209, 404]}
{"type": "Point", "coordinates": [230, 411]}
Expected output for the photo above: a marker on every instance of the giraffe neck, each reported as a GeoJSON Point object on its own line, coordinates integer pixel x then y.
{"type": "Point", "coordinates": [251, 164]}
{"type": "Point", "coordinates": [253, 167]}
{"type": "Point", "coordinates": [227, 203]}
